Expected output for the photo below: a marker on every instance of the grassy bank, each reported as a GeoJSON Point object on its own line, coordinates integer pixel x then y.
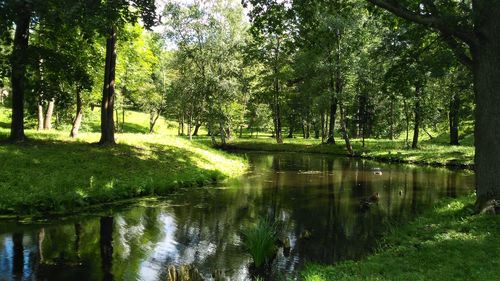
{"type": "Point", "coordinates": [53, 173]}
{"type": "Point", "coordinates": [430, 152]}
{"type": "Point", "coordinates": [448, 242]}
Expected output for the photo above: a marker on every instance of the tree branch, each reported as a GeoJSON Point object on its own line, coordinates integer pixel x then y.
{"type": "Point", "coordinates": [462, 33]}
{"type": "Point", "coordinates": [458, 49]}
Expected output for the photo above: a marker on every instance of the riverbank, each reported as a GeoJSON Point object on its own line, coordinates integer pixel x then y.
{"type": "Point", "coordinates": [430, 152]}
{"type": "Point", "coordinates": [448, 242]}
{"type": "Point", "coordinates": [52, 173]}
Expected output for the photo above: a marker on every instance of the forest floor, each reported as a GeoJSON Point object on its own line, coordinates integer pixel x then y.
{"type": "Point", "coordinates": [434, 151]}
{"type": "Point", "coordinates": [52, 173]}
{"type": "Point", "coordinates": [448, 242]}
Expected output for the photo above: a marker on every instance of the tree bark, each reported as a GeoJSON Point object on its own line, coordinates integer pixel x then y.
{"type": "Point", "coordinates": [345, 134]}
{"type": "Point", "coordinates": [153, 118]}
{"type": "Point", "coordinates": [40, 116]}
{"type": "Point", "coordinates": [486, 72]}
{"type": "Point", "coordinates": [333, 111]}
{"type": "Point", "coordinates": [418, 112]}
{"type": "Point", "coordinates": [18, 64]}
{"type": "Point", "coordinates": [277, 111]}
{"type": "Point", "coordinates": [196, 128]}
{"type": "Point", "coordinates": [391, 133]}
{"type": "Point", "coordinates": [108, 96]}
{"type": "Point", "coordinates": [454, 118]}
{"type": "Point", "coordinates": [79, 115]}
{"type": "Point", "coordinates": [47, 123]}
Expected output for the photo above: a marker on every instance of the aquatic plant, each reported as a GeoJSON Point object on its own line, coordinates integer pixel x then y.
{"type": "Point", "coordinates": [260, 241]}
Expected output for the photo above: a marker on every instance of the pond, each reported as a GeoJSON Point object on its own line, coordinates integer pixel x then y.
{"type": "Point", "coordinates": [316, 198]}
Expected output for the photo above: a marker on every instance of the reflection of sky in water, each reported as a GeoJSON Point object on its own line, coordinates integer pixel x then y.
{"type": "Point", "coordinates": [7, 259]}
{"type": "Point", "coordinates": [6, 249]}
{"type": "Point", "coordinates": [162, 250]}
{"type": "Point", "coordinates": [306, 193]}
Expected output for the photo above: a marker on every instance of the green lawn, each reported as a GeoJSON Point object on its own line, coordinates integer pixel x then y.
{"type": "Point", "coordinates": [432, 152]}
{"type": "Point", "coordinates": [53, 173]}
{"type": "Point", "coordinates": [446, 243]}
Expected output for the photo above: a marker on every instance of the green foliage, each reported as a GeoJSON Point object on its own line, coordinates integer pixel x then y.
{"type": "Point", "coordinates": [446, 243]}
{"type": "Point", "coordinates": [260, 241]}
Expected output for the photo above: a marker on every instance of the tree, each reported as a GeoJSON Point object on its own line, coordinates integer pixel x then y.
{"type": "Point", "coordinates": [471, 29]}
{"type": "Point", "coordinates": [117, 13]}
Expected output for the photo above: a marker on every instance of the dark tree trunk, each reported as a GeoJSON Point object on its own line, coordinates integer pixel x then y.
{"type": "Point", "coordinates": [108, 95]}
{"type": "Point", "coordinates": [418, 112]}
{"type": "Point", "coordinates": [333, 111]}
{"type": "Point", "coordinates": [47, 123]}
{"type": "Point", "coordinates": [197, 128]}
{"type": "Point", "coordinates": [486, 71]}
{"type": "Point", "coordinates": [18, 64]}
{"type": "Point", "coordinates": [453, 118]}
{"type": "Point", "coordinates": [79, 115]}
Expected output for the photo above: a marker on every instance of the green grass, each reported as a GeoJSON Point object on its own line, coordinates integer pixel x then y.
{"type": "Point", "coordinates": [52, 173]}
{"type": "Point", "coordinates": [448, 242]}
{"type": "Point", "coordinates": [432, 152]}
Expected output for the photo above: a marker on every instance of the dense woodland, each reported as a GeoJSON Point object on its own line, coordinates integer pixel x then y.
{"type": "Point", "coordinates": [330, 70]}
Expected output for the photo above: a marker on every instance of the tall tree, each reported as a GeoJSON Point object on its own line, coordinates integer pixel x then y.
{"type": "Point", "coordinates": [117, 13]}
{"type": "Point", "coordinates": [472, 31]}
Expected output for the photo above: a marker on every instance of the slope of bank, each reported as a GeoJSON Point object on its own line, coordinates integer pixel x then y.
{"type": "Point", "coordinates": [448, 242]}
{"type": "Point", "coordinates": [428, 153]}
{"type": "Point", "coordinates": [53, 173]}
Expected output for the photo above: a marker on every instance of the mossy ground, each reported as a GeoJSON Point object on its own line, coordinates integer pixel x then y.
{"type": "Point", "coordinates": [54, 173]}
{"type": "Point", "coordinates": [448, 242]}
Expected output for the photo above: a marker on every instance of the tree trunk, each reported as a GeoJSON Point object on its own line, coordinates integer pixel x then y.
{"type": "Point", "coordinates": [486, 71]}
{"type": "Point", "coordinates": [79, 115]}
{"type": "Point", "coordinates": [453, 118]}
{"type": "Point", "coordinates": [331, 128]}
{"type": "Point", "coordinates": [323, 127]}
{"type": "Point", "coordinates": [108, 96]}
{"type": "Point", "coordinates": [222, 134]}
{"type": "Point", "coordinates": [40, 116]}
{"type": "Point", "coordinates": [153, 118]}
{"type": "Point", "coordinates": [196, 128]}
{"type": "Point", "coordinates": [391, 133]}
{"type": "Point", "coordinates": [417, 112]}
{"type": "Point", "coordinates": [277, 112]}
{"type": "Point", "coordinates": [18, 73]}
{"type": "Point", "coordinates": [345, 134]}
{"type": "Point", "coordinates": [407, 119]}
{"type": "Point", "coordinates": [190, 127]}
{"type": "Point", "coordinates": [47, 124]}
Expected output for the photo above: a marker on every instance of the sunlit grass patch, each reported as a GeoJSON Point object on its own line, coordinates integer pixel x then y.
{"type": "Point", "coordinates": [432, 152]}
{"type": "Point", "coordinates": [54, 173]}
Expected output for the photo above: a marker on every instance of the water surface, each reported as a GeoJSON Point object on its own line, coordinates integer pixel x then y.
{"type": "Point", "coordinates": [316, 198]}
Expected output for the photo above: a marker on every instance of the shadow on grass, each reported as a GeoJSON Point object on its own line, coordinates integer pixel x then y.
{"type": "Point", "coordinates": [54, 175]}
